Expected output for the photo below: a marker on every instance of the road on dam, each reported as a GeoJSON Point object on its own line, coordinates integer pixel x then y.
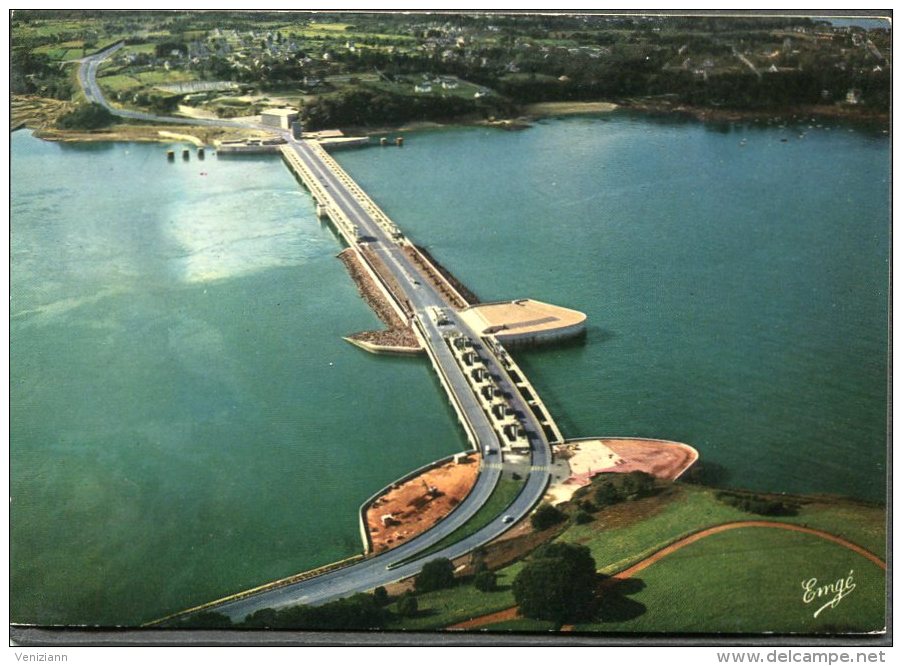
{"type": "Point", "coordinates": [423, 298]}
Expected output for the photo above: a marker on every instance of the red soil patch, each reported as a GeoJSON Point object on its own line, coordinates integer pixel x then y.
{"type": "Point", "coordinates": [420, 502]}
{"type": "Point", "coordinates": [665, 460]}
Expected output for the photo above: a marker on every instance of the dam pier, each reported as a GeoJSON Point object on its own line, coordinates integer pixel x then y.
{"type": "Point", "coordinates": [506, 423]}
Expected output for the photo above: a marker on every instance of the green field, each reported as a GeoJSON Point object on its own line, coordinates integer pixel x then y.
{"type": "Point", "coordinates": [626, 533]}
{"type": "Point", "coordinates": [119, 83]}
{"type": "Point", "coordinates": [50, 29]}
{"type": "Point", "coordinates": [445, 607]}
{"type": "Point", "coordinates": [741, 581]}
{"type": "Point", "coordinates": [748, 581]}
{"type": "Point", "coordinates": [464, 89]}
{"type": "Point", "coordinates": [139, 48]}
{"type": "Point", "coordinates": [616, 543]}
{"type": "Point", "coordinates": [161, 77]}
{"type": "Point", "coordinates": [60, 53]}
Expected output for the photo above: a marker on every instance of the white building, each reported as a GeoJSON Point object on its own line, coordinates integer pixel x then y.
{"type": "Point", "coordinates": [281, 118]}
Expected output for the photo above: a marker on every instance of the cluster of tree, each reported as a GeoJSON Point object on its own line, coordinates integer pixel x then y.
{"type": "Point", "coordinates": [157, 102]}
{"type": "Point", "coordinates": [86, 117]}
{"type": "Point", "coordinates": [205, 620]}
{"type": "Point", "coordinates": [546, 516]}
{"type": "Point", "coordinates": [366, 107]}
{"type": "Point", "coordinates": [436, 574]}
{"type": "Point", "coordinates": [35, 74]}
{"type": "Point", "coordinates": [558, 583]}
{"type": "Point", "coordinates": [164, 49]}
{"type": "Point", "coordinates": [355, 613]}
{"type": "Point", "coordinates": [763, 506]}
{"type": "Point", "coordinates": [615, 488]}
{"type": "Point", "coordinates": [743, 90]}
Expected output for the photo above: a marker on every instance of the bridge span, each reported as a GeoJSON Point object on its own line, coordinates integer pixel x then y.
{"type": "Point", "coordinates": [474, 371]}
{"type": "Point", "coordinates": [502, 416]}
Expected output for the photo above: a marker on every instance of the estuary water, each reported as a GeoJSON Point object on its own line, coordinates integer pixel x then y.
{"type": "Point", "coordinates": [186, 421]}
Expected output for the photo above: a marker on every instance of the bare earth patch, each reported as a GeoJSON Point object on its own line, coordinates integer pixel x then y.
{"type": "Point", "coordinates": [589, 457]}
{"type": "Point", "coordinates": [412, 507]}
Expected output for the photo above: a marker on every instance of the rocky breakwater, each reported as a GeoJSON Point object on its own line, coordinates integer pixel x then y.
{"type": "Point", "coordinates": [398, 336]}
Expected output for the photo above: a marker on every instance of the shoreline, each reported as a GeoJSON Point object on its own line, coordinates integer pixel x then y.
{"type": "Point", "coordinates": [530, 114]}
{"type": "Point", "coordinates": [839, 112]}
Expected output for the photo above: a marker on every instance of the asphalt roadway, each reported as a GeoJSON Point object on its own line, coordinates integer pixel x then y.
{"type": "Point", "coordinates": [87, 78]}
{"type": "Point", "coordinates": [400, 562]}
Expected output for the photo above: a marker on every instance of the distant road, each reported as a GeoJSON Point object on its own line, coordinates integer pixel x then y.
{"type": "Point", "coordinates": [87, 78]}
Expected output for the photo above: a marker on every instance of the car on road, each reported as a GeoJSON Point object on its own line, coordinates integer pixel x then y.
{"type": "Point", "coordinates": [507, 520]}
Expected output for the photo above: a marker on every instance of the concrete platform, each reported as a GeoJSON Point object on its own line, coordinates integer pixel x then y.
{"type": "Point", "coordinates": [525, 321]}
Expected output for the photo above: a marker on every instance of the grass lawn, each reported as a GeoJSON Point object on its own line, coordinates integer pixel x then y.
{"type": "Point", "coordinates": [161, 76]}
{"type": "Point", "coordinates": [748, 581]}
{"type": "Point", "coordinates": [618, 540]}
{"type": "Point", "coordinates": [119, 83]}
{"type": "Point", "coordinates": [49, 28]}
{"type": "Point", "coordinates": [445, 607]}
{"type": "Point", "coordinates": [139, 48]}
{"type": "Point", "coordinates": [626, 533]}
{"type": "Point", "coordinates": [464, 89]}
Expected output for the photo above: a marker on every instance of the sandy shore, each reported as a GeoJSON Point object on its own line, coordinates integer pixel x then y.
{"type": "Point", "coordinates": [200, 136]}
{"type": "Point", "coordinates": [548, 109]}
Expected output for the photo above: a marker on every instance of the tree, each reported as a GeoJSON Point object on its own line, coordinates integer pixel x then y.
{"type": "Point", "coordinates": [87, 116]}
{"type": "Point", "coordinates": [546, 516]}
{"type": "Point", "coordinates": [582, 517]}
{"type": "Point", "coordinates": [485, 581]}
{"type": "Point", "coordinates": [380, 594]}
{"type": "Point", "coordinates": [206, 620]}
{"type": "Point", "coordinates": [435, 575]}
{"type": "Point", "coordinates": [357, 612]}
{"type": "Point", "coordinates": [638, 484]}
{"type": "Point", "coordinates": [558, 583]}
{"type": "Point", "coordinates": [613, 488]}
{"type": "Point", "coordinates": [407, 605]}
{"type": "Point", "coordinates": [606, 493]}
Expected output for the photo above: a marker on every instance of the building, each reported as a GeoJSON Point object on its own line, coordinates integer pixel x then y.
{"type": "Point", "coordinates": [281, 118]}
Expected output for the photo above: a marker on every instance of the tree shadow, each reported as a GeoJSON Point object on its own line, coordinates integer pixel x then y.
{"type": "Point", "coordinates": [614, 604]}
{"type": "Point", "coordinates": [707, 473]}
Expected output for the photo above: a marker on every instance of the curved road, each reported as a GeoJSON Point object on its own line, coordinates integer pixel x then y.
{"type": "Point", "coordinates": [87, 78]}
{"type": "Point", "coordinates": [402, 561]}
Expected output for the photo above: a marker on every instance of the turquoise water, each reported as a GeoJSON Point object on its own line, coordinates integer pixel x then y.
{"type": "Point", "coordinates": [186, 421]}
{"type": "Point", "coordinates": [736, 292]}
